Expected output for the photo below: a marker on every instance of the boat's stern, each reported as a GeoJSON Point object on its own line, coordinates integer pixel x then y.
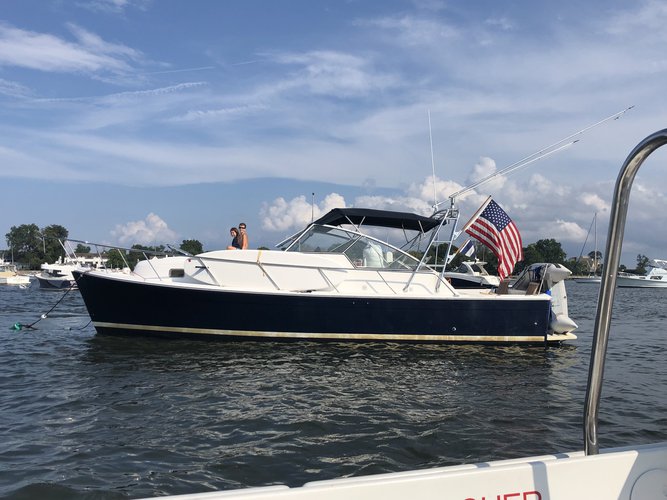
{"type": "Point", "coordinates": [549, 279]}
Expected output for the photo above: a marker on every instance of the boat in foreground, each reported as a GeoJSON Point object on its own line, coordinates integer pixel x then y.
{"type": "Point", "coordinates": [628, 473]}
{"type": "Point", "coordinates": [655, 278]}
{"type": "Point", "coordinates": [332, 281]}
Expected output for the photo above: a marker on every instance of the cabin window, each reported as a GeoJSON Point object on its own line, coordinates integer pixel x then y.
{"type": "Point", "coordinates": [176, 273]}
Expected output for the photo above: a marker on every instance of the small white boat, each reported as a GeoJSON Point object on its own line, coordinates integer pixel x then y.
{"type": "Point", "coordinates": [10, 276]}
{"type": "Point", "coordinates": [593, 280]}
{"type": "Point", "coordinates": [655, 278]}
{"type": "Point", "coordinates": [627, 473]}
{"type": "Point", "coordinates": [472, 274]}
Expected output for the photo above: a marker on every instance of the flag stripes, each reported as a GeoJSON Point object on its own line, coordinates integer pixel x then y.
{"type": "Point", "coordinates": [494, 229]}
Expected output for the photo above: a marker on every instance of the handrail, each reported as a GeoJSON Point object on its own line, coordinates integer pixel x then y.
{"type": "Point", "coordinates": [619, 211]}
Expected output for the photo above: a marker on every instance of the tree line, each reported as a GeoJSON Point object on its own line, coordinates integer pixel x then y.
{"type": "Point", "coordinates": [32, 246]}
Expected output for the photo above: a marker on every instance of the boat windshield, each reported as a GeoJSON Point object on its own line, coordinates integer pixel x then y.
{"type": "Point", "coordinates": [479, 268]}
{"type": "Point", "coordinates": [363, 251]}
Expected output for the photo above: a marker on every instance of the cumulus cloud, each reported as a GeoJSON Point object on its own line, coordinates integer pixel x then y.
{"type": "Point", "coordinates": [594, 201]}
{"type": "Point", "coordinates": [563, 230]}
{"type": "Point", "coordinates": [534, 203]}
{"type": "Point", "coordinates": [283, 215]}
{"type": "Point", "coordinates": [484, 168]}
{"type": "Point", "coordinates": [152, 230]}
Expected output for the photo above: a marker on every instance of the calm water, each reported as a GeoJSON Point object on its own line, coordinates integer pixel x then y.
{"type": "Point", "coordinates": [86, 416]}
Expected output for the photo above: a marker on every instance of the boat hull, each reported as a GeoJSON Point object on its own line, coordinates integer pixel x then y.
{"type": "Point", "coordinates": [589, 280]}
{"type": "Point", "coordinates": [121, 306]}
{"type": "Point", "coordinates": [639, 282]}
{"type": "Point", "coordinates": [15, 280]}
{"type": "Point", "coordinates": [55, 283]}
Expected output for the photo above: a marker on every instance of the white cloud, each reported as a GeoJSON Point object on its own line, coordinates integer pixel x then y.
{"type": "Point", "coordinates": [113, 6]}
{"type": "Point", "coordinates": [594, 201]}
{"type": "Point", "coordinates": [218, 114]}
{"type": "Point", "coordinates": [409, 30]}
{"type": "Point", "coordinates": [13, 89]}
{"type": "Point", "coordinates": [46, 52]}
{"type": "Point", "coordinates": [334, 73]}
{"type": "Point", "coordinates": [282, 215]}
{"type": "Point", "coordinates": [503, 23]}
{"type": "Point", "coordinates": [562, 230]}
{"type": "Point", "coordinates": [642, 19]}
{"type": "Point", "coordinates": [483, 169]}
{"type": "Point", "coordinates": [150, 231]}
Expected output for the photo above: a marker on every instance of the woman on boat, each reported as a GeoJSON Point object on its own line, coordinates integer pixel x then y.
{"type": "Point", "coordinates": [236, 239]}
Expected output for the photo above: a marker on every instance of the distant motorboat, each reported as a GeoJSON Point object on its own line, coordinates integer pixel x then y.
{"type": "Point", "coordinates": [472, 274]}
{"type": "Point", "coordinates": [593, 280]}
{"type": "Point", "coordinates": [10, 276]}
{"type": "Point", "coordinates": [58, 276]}
{"type": "Point", "coordinates": [655, 278]}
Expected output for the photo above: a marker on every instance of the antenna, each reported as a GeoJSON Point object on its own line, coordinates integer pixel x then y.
{"type": "Point", "coordinates": [538, 155]}
{"type": "Point", "coordinates": [430, 137]}
{"type": "Point", "coordinates": [312, 208]}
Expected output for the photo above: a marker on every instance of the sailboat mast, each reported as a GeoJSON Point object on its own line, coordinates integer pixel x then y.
{"type": "Point", "coordinates": [595, 256]}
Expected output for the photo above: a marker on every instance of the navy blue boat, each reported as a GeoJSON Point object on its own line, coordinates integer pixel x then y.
{"type": "Point", "coordinates": [330, 281]}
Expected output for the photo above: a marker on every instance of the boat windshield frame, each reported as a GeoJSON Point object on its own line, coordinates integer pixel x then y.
{"type": "Point", "coordinates": [426, 228]}
{"type": "Point", "coordinates": [361, 249]}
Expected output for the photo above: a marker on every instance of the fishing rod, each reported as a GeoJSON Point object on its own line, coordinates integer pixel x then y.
{"type": "Point", "coordinates": [538, 155]}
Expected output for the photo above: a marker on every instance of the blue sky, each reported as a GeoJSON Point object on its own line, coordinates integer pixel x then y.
{"type": "Point", "coordinates": [145, 121]}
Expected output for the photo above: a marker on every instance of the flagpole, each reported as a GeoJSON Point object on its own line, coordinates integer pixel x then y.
{"type": "Point", "coordinates": [458, 250]}
{"type": "Point", "coordinates": [475, 215]}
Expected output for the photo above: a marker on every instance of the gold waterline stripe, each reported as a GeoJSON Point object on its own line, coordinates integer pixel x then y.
{"type": "Point", "coordinates": [338, 336]}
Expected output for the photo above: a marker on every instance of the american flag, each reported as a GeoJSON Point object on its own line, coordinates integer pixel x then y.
{"type": "Point", "coordinates": [493, 228]}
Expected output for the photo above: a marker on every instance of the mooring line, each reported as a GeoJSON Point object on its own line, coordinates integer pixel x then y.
{"type": "Point", "coordinates": [20, 326]}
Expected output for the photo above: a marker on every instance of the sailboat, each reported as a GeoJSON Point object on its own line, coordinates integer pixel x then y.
{"type": "Point", "coordinates": [592, 278]}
